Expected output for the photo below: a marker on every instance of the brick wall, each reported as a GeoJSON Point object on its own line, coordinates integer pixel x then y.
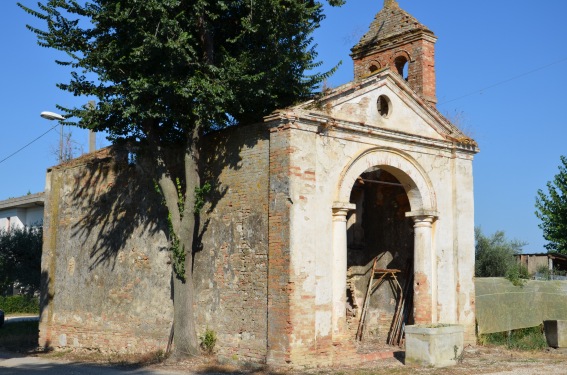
{"type": "Point", "coordinates": [231, 268]}
{"type": "Point", "coordinates": [420, 54]}
{"type": "Point", "coordinates": [280, 286]}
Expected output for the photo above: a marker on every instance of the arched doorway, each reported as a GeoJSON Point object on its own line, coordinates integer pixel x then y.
{"type": "Point", "coordinates": [384, 210]}
{"type": "Point", "coordinates": [380, 244]}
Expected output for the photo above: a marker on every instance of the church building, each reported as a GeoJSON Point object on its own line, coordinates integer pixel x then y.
{"type": "Point", "coordinates": [333, 224]}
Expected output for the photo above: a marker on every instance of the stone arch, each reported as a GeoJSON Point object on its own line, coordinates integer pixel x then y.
{"type": "Point", "coordinates": [423, 205]}
{"type": "Point", "coordinates": [373, 66]}
{"type": "Point", "coordinates": [406, 169]}
{"type": "Point", "coordinates": [401, 61]}
{"type": "Point", "coordinates": [401, 53]}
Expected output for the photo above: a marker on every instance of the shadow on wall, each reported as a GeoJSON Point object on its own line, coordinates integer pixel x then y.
{"type": "Point", "coordinates": [117, 197]}
{"type": "Point", "coordinates": [45, 298]}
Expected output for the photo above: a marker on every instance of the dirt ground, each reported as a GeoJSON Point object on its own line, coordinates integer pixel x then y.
{"type": "Point", "coordinates": [476, 360]}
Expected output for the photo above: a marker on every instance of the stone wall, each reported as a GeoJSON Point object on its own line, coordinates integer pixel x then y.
{"type": "Point", "coordinates": [105, 266]}
{"type": "Point", "coordinates": [231, 267]}
{"type": "Point", "coordinates": [106, 263]}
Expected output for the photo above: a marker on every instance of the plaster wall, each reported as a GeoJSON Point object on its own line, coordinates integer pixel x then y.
{"type": "Point", "coordinates": [404, 115]}
{"type": "Point", "coordinates": [34, 216]}
{"type": "Point", "coordinates": [106, 266]}
{"type": "Point", "coordinates": [9, 218]}
{"type": "Point", "coordinates": [21, 217]}
{"type": "Point", "coordinates": [318, 161]}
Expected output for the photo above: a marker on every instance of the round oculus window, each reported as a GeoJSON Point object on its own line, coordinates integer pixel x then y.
{"type": "Point", "coordinates": [384, 106]}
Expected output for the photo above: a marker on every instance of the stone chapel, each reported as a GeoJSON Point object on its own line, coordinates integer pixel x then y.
{"type": "Point", "coordinates": [366, 182]}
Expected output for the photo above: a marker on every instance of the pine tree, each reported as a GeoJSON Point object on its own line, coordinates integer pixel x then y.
{"type": "Point", "coordinates": [552, 211]}
{"type": "Point", "coordinates": [169, 71]}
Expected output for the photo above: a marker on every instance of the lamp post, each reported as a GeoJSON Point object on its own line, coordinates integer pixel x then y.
{"type": "Point", "coordinates": [55, 116]}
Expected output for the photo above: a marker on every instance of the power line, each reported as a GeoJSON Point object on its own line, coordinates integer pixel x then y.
{"type": "Point", "coordinates": [14, 153]}
{"type": "Point", "coordinates": [504, 81]}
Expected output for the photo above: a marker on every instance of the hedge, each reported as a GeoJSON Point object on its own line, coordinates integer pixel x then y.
{"type": "Point", "coordinates": [19, 305]}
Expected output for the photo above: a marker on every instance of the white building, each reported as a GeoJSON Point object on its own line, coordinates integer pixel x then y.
{"type": "Point", "coordinates": [21, 211]}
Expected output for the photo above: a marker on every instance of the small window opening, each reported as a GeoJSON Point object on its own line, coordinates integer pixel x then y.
{"type": "Point", "coordinates": [384, 106]}
{"type": "Point", "coordinates": [373, 68]}
{"type": "Point", "coordinates": [402, 66]}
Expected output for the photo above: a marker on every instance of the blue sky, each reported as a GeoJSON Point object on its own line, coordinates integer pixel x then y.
{"type": "Point", "coordinates": [500, 67]}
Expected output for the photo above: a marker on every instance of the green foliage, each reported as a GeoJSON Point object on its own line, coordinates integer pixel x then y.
{"type": "Point", "coordinates": [552, 211]}
{"type": "Point", "coordinates": [208, 341]}
{"type": "Point", "coordinates": [176, 248]}
{"type": "Point", "coordinates": [166, 72]}
{"type": "Point", "coordinates": [19, 305]}
{"type": "Point", "coordinates": [164, 67]}
{"type": "Point", "coordinates": [20, 258]}
{"type": "Point", "coordinates": [517, 274]}
{"type": "Point", "coordinates": [494, 255]}
{"type": "Point", "coordinates": [532, 338]}
{"type": "Point", "coordinates": [177, 251]}
{"type": "Point", "coordinates": [200, 194]}
{"type": "Point", "coordinates": [180, 197]}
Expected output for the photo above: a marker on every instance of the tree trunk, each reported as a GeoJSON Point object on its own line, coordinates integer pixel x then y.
{"type": "Point", "coordinates": [185, 336]}
{"type": "Point", "coordinates": [183, 220]}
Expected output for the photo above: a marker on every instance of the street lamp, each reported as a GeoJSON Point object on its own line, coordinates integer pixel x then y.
{"type": "Point", "coordinates": [56, 116]}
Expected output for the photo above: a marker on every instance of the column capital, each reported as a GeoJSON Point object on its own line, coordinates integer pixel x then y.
{"type": "Point", "coordinates": [423, 217]}
{"type": "Point", "coordinates": [342, 208]}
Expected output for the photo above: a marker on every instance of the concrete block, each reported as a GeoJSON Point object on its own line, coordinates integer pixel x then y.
{"type": "Point", "coordinates": [438, 345]}
{"type": "Point", "coordinates": [556, 333]}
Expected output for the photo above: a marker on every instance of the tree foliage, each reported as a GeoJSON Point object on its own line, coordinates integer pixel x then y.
{"type": "Point", "coordinates": [166, 72]}
{"type": "Point", "coordinates": [552, 211]}
{"type": "Point", "coordinates": [161, 68]}
{"type": "Point", "coordinates": [20, 258]}
{"type": "Point", "coordinates": [494, 255]}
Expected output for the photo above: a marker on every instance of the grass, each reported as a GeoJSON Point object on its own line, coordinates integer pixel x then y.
{"type": "Point", "coordinates": [20, 336]}
{"type": "Point", "coordinates": [519, 339]}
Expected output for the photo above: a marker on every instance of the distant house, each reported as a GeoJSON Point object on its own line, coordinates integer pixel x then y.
{"type": "Point", "coordinates": [22, 211]}
{"type": "Point", "coordinates": [535, 262]}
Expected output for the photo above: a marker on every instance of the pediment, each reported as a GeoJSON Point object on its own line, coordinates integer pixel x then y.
{"type": "Point", "coordinates": [385, 101]}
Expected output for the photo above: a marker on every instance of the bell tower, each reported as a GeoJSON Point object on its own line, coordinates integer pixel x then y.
{"type": "Point", "coordinates": [398, 41]}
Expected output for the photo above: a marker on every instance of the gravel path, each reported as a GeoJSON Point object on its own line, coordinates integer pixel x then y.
{"type": "Point", "coordinates": [476, 360]}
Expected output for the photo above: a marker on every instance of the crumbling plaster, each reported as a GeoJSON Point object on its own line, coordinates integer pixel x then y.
{"type": "Point", "coordinates": [325, 161]}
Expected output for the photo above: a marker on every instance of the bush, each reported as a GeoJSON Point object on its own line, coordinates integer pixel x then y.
{"type": "Point", "coordinates": [494, 254]}
{"type": "Point", "coordinates": [19, 305]}
{"type": "Point", "coordinates": [20, 258]}
{"type": "Point", "coordinates": [517, 274]}
{"type": "Point", "coordinates": [208, 341]}
{"type": "Point", "coordinates": [531, 338]}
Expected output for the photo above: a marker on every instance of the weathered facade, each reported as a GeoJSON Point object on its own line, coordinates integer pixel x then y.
{"type": "Point", "coordinates": [105, 265]}
{"type": "Point", "coordinates": [301, 207]}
